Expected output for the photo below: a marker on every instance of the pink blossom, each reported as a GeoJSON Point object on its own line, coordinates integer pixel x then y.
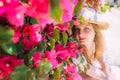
{"type": "Point", "coordinates": [62, 55]}
{"type": "Point", "coordinates": [54, 63]}
{"type": "Point", "coordinates": [49, 30]}
{"type": "Point", "coordinates": [67, 6]}
{"type": "Point", "coordinates": [16, 36]}
{"type": "Point", "coordinates": [29, 43]}
{"type": "Point", "coordinates": [72, 49]}
{"type": "Point", "coordinates": [31, 36]}
{"type": "Point", "coordinates": [37, 8]}
{"type": "Point", "coordinates": [89, 0]}
{"type": "Point", "coordinates": [82, 50]}
{"type": "Point", "coordinates": [63, 27]}
{"type": "Point", "coordinates": [76, 22]}
{"type": "Point", "coordinates": [16, 16]}
{"type": "Point", "coordinates": [35, 37]}
{"type": "Point", "coordinates": [7, 64]}
{"type": "Point", "coordinates": [31, 29]}
{"type": "Point", "coordinates": [51, 56]}
{"type": "Point", "coordinates": [70, 69]}
{"type": "Point", "coordinates": [74, 77]}
{"type": "Point", "coordinates": [59, 47]}
{"type": "Point", "coordinates": [75, 2]}
{"type": "Point", "coordinates": [36, 59]}
{"type": "Point", "coordinates": [67, 16]}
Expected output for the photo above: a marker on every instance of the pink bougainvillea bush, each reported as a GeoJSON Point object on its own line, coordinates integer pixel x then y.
{"type": "Point", "coordinates": [36, 41]}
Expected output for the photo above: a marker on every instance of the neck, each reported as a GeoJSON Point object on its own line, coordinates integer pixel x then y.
{"type": "Point", "coordinates": [91, 49]}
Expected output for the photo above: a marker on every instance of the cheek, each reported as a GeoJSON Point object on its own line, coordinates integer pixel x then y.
{"type": "Point", "coordinates": [91, 36]}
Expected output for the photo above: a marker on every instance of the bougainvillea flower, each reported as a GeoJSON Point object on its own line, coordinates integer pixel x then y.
{"type": "Point", "coordinates": [51, 56]}
{"type": "Point", "coordinates": [74, 77]}
{"type": "Point", "coordinates": [49, 30]}
{"type": "Point", "coordinates": [16, 16]}
{"type": "Point", "coordinates": [31, 36]}
{"type": "Point", "coordinates": [7, 64]}
{"type": "Point", "coordinates": [36, 59]}
{"type": "Point", "coordinates": [16, 36]}
{"type": "Point", "coordinates": [63, 27]}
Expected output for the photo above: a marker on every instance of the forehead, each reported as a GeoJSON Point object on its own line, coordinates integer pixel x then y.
{"type": "Point", "coordinates": [84, 24]}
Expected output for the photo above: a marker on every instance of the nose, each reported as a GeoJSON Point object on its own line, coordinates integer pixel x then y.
{"type": "Point", "coordinates": [81, 34]}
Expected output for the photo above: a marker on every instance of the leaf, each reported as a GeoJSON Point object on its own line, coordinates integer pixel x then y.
{"type": "Point", "coordinates": [44, 67]}
{"type": "Point", "coordinates": [41, 46]}
{"type": "Point", "coordinates": [9, 48]}
{"type": "Point", "coordinates": [23, 0]}
{"type": "Point", "coordinates": [52, 43]}
{"type": "Point", "coordinates": [56, 74]}
{"type": "Point", "coordinates": [55, 10]}
{"type": "Point", "coordinates": [56, 34]}
{"type": "Point", "coordinates": [33, 21]}
{"type": "Point", "coordinates": [21, 72]}
{"type": "Point", "coordinates": [78, 8]}
{"type": "Point", "coordinates": [5, 34]}
{"type": "Point", "coordinates": [64, 38]}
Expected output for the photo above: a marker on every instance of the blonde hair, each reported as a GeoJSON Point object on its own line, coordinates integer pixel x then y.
{"type": "Point", "coordinates": [99, 46]}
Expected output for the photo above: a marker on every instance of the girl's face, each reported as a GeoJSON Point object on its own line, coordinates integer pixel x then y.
{"type": "Point", "coordinates": [85, 33]}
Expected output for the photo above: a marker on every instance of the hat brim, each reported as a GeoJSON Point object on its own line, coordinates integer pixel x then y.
{"type": "Point", "coordinates": [100, 25]}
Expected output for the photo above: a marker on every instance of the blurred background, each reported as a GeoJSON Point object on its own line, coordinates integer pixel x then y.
{"type": "Point", "coordinates": [112, 35]}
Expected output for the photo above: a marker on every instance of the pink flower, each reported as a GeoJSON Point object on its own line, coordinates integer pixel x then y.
{"type": "Point", "coordinates": [37, 7]}
{"type": "Point", "coordinates": [54, 63]}
{"type": "Point", "coordinates": [31, 36]}
{"type": "Point", "coordinates": [62, 55]}
{"type": "Point", "coordinates": [29, 43]}
{"type": "Point", "coordinates": [72, 49]}
{"type": "Point", "coordinates": [16, 36]}
{"type": "Point", "coordinates": [7, 64]}
{"type": "Point", "coordinates": [49, 30]}
{"type": "Point", "coordinates": [59, 47]}
{"type": "Point", "coordinates": [75, 2]}
{"type": "Point", "coordinates": [74, 77]}
{"type": "Point", "coordinates": [63, 27]}
{"type": "Point", "coordinates": [51, 56]}
{"type": "Point", "coordinates": [16, 16]}
{"type": "Point", "coordinates": [82, 50]}
{"type": "Point", "coordinates": [67, 6]}
{"type": "Point", "coordinates": [36, 59]}
{"type": "Point", "coordinates": [67, 16]}
{"type": "Point", "coordinates": [76, 22]}
{"type": "Point", "coordinates": [70, 69]}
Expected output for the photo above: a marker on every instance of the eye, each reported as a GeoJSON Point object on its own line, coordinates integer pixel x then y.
{"type": "Point", "coordinates": [86, 29]}
{"type": "Point", "coordinates": [77, 31]}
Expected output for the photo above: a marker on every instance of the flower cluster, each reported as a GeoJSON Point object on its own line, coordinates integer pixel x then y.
{"type": "Point", "coordinates": [36, 39]}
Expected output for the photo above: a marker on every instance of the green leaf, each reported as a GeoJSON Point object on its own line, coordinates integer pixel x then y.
{"type": "Point", "coordinates": [78, 8]}
{"type": "Point", "coordinates": [33, 21]}
{"type": "Point", "coordinates": [21, 72]}
{"type": "Point", "coordinates": [28, 56]}
{"type": "Point", "coordinates": [41, 46]}
{"type": "Point", "coordinates": [56, 74]}
{"type": "Point", "coordinates": [64, 38]}
{"type": "Point", "coordinates": [9, 48]}
{"type": "Point", "coordinates": [56, 34]}
{"type": "Point", "coordinates": [44, 67]}
{"type": "Point", "coordinates": [52, 43]}
{"type": "Point", "coordinates": [5, 34]}
{"type": "Point", "coordinates": [55, 10]}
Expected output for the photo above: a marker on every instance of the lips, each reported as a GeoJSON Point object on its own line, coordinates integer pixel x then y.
{"type": "Point", "coordinates": [82, 39]}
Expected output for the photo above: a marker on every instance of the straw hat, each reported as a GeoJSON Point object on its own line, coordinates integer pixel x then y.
{"type": "Point", "coordinates": [90, 16]}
